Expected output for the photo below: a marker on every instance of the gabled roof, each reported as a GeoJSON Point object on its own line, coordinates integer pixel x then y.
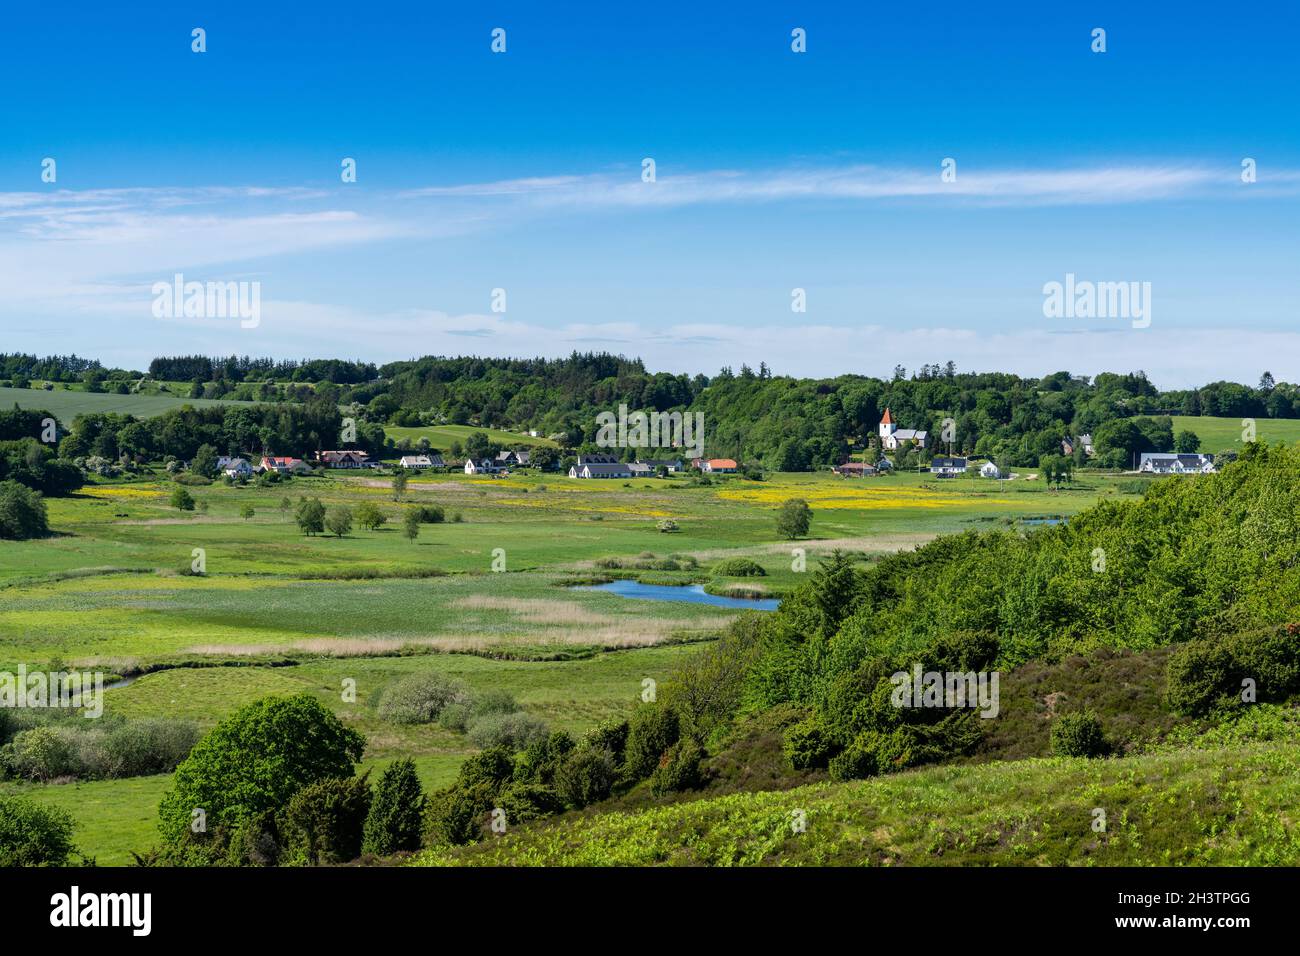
{"type": "Point", "coordinates": [722, 463]}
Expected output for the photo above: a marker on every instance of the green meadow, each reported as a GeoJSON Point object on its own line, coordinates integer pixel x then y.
{"type": "Point", "coordinates": [1222, 434]}
{"type": "Point", "coordinates": [67, 404]}
{"type": "Point", "coordinates": [487, 599]}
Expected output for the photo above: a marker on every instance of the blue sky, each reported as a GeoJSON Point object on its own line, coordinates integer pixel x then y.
{"type": "Point", "coordinates": [775, 171]}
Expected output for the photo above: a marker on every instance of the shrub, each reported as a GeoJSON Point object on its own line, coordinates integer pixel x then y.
{"type": "Point", "coordinates": [514, 731]}
{"type": "Point", "coordinates": [181, 499]}
{"type": "Point", "coordinates": [430, 514]}
{"type": "Point", "coordinates": [22, 512]}
{"type": "Point", "coordinates": [523, 802]}
{"type": "Point", "coordinates": [540, 760]}
{"type": "Point", "coordinates": [854, 762]}
{"type": "Point", "coordinates": [668, 526]}
{"type": "Point", "coordinates": [454, 717]}
{"type": "Point", "coordinates": [138, 748]}
{"type": "Point", "coordinates": [611, 736]}
{"type": "Point", "coordinates": [1078, 734]}
{"type": "Point", "coordinates": [739, 568]}
{"type": "Point", "coordinates": [255, 760]}
{"type": "Point", "coordinates": [33, 835]}
{"type": "Point", "coordinates": [493, 702]}
{"type": "Point", "coordinates": [585, 777]}
{"type": "Point", "coordinates": [43, 753]}
{"type": "Point", "coordinates": [396, 814]}
{"type": "Point", "coordinates": [651, 731]}
{"type": "Point", "coordinates": [679, 768]}
{"type": "Point", "coordinates": [323, 821]}
{"type": "Point", "coordinates": [806, 745]}
{"type": "Point", "coordinates": [420, 698]}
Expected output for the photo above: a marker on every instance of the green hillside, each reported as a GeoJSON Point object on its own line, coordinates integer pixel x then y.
{"type": "Point", "coordinates": [1222, 807]}
{"type": "Point", "coordinates": [1219, 434]}
{"type": "Point", "coordinates": [67, 405]}
{"type": "Point", "coordinates": [441, 436]}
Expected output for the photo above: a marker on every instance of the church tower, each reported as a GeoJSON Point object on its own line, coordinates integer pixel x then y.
{"type": "Point", "coordinates": [887, 425]}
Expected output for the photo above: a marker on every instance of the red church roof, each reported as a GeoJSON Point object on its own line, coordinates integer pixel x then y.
{"type": "Point", "coordinates": [886, 420]}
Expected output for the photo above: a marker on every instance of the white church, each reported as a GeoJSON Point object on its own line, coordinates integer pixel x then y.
{"type": "Point", "coordinates": [891, 436]}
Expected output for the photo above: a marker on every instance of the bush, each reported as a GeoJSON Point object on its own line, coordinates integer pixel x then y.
{"type": "Point", "coordinates": [254, 761]}
{"type": "Point", "coordinates": [493, 702]}
{"type": "Point", "coordinates": [854, 762]}
{"type": "Point", "coordinates": [651, 731]}
{"type": "Point", "coordinates": [33, 835]}
{"type": "Point", "coordinates": [585, 777]}
{"type": "Point", "coordinates": [514, 731]}
{"type": "Point", "coordinates": [454, 717]}
{"type": "Point", "coordinates": [181, 499]}
{"type": "Point", "coordinates": [22, 512]}
{"type": "Point", "coordinates": [420, 698]}
{"type": "Point", "coordinates": [148, 746]}
{"type": "Point", "coordinates": [1078, 735]}
{"type": "Point", "coordinates": [396, 815]}
{"type": "Point", "coordinates": [43, 753]}
{"type": "Point", "coordinates": [542, 758]}
{"type": "Point", "coordinates": [739, 568]}
{"type": "Point", "coordinates": [806, 745]}
{"type": "Point", "coordinates": [668, 526]}
{"type": "Point", "coordinates": [323, 821]}
{"type": "Point", "coordinates": [524, 802]}
{"type": "Point", "coordinates": [1204, 674]}
{"type": "Point", "coordinates": [430, 514]}
{"type": "Point", "coordinates": [611, 736]}
{"type": "Point", "coordinates": [679, 768]}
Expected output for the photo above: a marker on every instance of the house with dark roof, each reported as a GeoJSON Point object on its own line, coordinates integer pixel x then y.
{"type": "Point", "coordinates": [947, 467]}
{"type": "Point", "coordinates": [1162, 463]}
{"type": "Point", "coordinates": [601, 469]}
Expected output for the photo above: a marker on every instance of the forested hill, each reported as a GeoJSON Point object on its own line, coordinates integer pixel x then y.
{"type": "Point", "coordinates": [777, 422]}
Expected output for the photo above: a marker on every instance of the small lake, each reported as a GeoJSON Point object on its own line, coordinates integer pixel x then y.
{"type": "Point", "coordinates": [691, 593]}
{"type": "Point", "coordinates": [1044, 520]}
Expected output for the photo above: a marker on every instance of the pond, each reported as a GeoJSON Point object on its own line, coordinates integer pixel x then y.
{"type": "Point", "coordinates": [1043, 520]}
{"type": "Point", "coordinates": [691, 593]}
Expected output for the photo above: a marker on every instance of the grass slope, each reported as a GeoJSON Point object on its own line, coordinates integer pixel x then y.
{"type": "Point", "coordinates": [1220, 434]}
{"type": "Point", "coordinates": [67, 405]}
{"type": "Point", "coordinates": [1226, 806]}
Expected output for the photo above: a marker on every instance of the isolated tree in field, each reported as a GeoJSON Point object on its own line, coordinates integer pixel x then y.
{"type": "Point", "coordinates": [396, 812]}
{"type": "Point", "coordinates": [285, 505]}
{"type": "Point", "coordinates": [310, 516]}
{"type": "Point", "coordinates": [181, 499]}
{"type": "Point", "coordinates": [22, 512]}
{"type": "Point", "coordinates": [339, 520]}
{"type": "Point", "coordinates": [1186, 442]}
{"type": "Point", "coordinates": [369, 516]}
{"type": "Point", "coordinates": [411, 523]}
{"type": "Point", "coordinates": [255, 760]}
{"type": "Point", "coordinates": [794, 519]}
{"type": "Point", "coordinates": [246, 511]}
{"type": "Point", "coordinates": [399, 485]}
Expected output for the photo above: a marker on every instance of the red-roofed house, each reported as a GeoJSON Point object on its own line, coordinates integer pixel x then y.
{"type": "Point", "coordinates": [720, 465]}
{"type": "Point", "coordinates": [283, 466]}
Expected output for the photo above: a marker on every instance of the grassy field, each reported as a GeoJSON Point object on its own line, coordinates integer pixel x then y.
{"type": "Point", "coordinates": [65, 405]}
{"type": "Point", "coordinates": [277, 612]}
{"type": "Point", "coordinates": [441, 436]}
{"type": "Point", "coordinates": [1222, 434]}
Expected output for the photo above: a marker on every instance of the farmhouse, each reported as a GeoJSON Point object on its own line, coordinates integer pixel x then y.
{"type": "Point", "coordinates": [990, 470]}
{"type": "Point", "coordinates": [854, 469]}
{"type": "Point", "coordinates": [672, 465]}
{"type": "Point", "coordinates": [640, 469]}
{"type": "Point", "coordinates": [722, 466]}
{"type": "Point", "coordinates": [597, 460]}
{"type": "Point", "coordinates": [507, 458]}
{"type": "Point", "coordinates": [1068, 445]}
{"type": "Point", "coordinates": [485, 466]}
{"type": "Point", "coordinates": [1161, 463]}
{"type": "Point", "coordinates": [891, 436]}
{"type": "Point", "coordinates": [282, 465]}
{"type": "Point", "coordinates": [234, 467]}
{"type": "Point", "coordinates": [948, 467]}
{"type": "Point", "coordinates": [346, 459]}
{"type": "Point", "coordinates": [601, 470]}
{"type": "Point", "coordinates": [420, 461]}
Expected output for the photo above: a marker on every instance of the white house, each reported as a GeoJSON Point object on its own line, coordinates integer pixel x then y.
{"type": "Point", "coordinates": [989, 470]}
{"type": "Point", "coordinates": [891, 436]}
{"type": "Point", "coordinates": [1165, 463]}
{"type": "Point", "coordinates": [948, 467]}
{"type": "Point", "coordinates": [601, 470]}
{"type": "Point", "coordinates": [721, 466]}
{"type": "Point", "coordinates": [420, 461]}
{"type": "Point", "coordinates": [485, 466]}
{"type": "Point", "coordinates": [234, 467]}
{"type": "Point", "coordinates": [673, 465]}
